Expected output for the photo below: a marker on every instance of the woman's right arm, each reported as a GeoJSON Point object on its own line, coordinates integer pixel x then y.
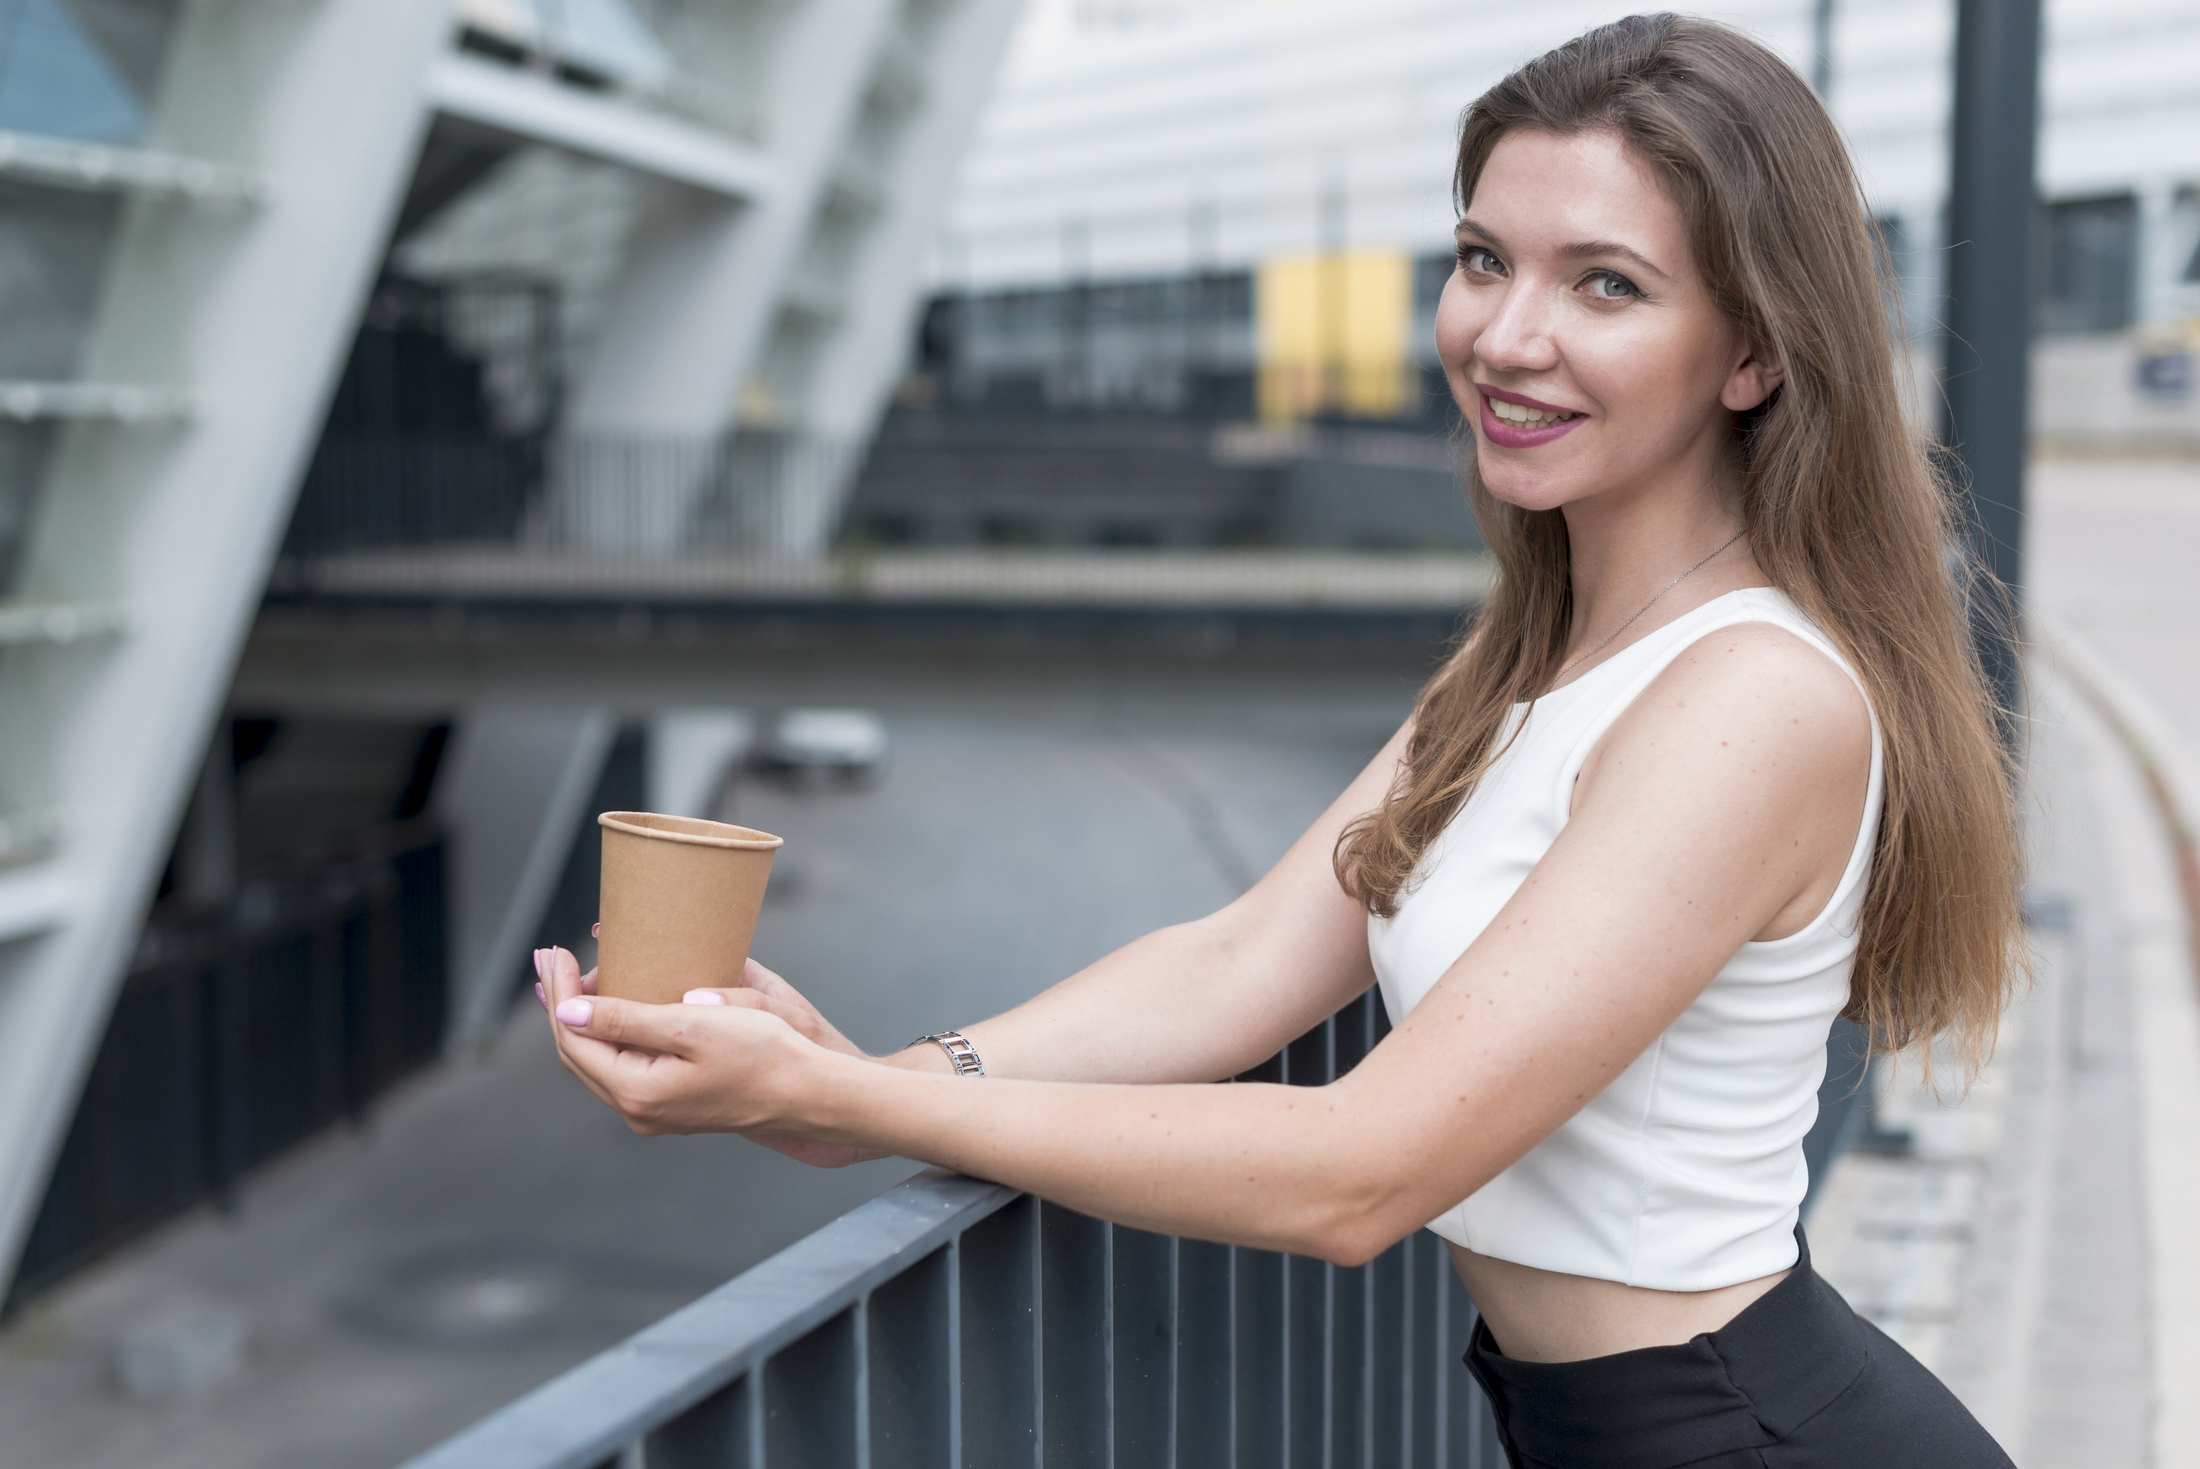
{"type": "Point", "coordinates": [1207, 999]}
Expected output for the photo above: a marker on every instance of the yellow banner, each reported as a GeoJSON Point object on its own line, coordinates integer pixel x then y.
{"type": "Point", "coordinates": [1333, 334]}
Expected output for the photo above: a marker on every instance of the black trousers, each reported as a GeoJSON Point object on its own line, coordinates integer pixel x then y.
{"type": "Point", "coordinates": [1798, 1380]}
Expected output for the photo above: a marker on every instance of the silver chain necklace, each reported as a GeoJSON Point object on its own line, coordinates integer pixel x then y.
{"type": "Point", "coordinates": [1676, 581]}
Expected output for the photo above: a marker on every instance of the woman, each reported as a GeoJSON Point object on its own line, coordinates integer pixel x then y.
{"type": "Point", "coordinates": [1715, 764]}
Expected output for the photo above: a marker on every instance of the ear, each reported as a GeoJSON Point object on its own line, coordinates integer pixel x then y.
{"type": "Point", "coordinates": [1750, 383]}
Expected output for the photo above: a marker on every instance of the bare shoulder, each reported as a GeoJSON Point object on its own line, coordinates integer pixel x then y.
{"type": "Point", "coordinates": [1754, 690]}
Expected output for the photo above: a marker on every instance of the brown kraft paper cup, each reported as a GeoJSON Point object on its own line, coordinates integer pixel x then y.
{"type": "Point", "coordinates": [678, 903]}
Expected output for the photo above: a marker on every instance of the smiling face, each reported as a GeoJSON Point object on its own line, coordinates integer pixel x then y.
{"type": "Point", "coordinates": [1635, 346]}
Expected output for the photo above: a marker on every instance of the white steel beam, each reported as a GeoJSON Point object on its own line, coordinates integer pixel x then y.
{"type": "Point", "coordinates": [251, 315]}
{"type": "Point", "coordinates": [528, 107]}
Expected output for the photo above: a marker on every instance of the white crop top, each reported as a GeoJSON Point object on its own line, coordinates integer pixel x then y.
{"type": "Point", "coordinates": [1687, 1171]}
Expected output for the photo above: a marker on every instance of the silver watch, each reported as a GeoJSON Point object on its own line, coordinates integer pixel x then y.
{"type": "Point", "coordinates": [959, 1050]}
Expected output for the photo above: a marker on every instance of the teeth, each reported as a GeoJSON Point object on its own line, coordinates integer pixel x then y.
{"type": "Point", "coordinates": [1527, 417]}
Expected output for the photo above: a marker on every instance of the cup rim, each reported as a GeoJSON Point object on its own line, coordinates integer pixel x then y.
{"type": "Point", "coordinates": [694, 831]}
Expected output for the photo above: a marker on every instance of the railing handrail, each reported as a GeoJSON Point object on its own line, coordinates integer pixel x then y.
{"type": "Point", "coordinates": [590, 1413]}
{"type": "Point", "coordinates": [1085, 1341]}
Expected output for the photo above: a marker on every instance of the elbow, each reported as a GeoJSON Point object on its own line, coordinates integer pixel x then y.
{"type": "Point", "coordinates": [1359, 1243]}
{"type": "Point", "coordinates": [1346, 1254]}
{"type": "Point", "coordinates": [1382, 1214]}
{"type": "Point", "coordinates": [1361, 1228]}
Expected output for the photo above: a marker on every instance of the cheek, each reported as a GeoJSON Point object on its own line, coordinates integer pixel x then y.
{"type": "Point", "coordinates": [1642, 372]}
{"type": "Point", "coordinates": [1458, 323]}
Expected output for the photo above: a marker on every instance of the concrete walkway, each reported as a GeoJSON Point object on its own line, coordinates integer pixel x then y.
{"type": "Point", "coordinates": [2017, 1251]}
{"type": "Point", "coordinates": [2037, 1249]}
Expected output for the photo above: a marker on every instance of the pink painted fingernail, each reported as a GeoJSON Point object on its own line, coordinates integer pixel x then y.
{"type": "Point", "coordinates": [702, 997]}
{"type": "Point", "coordinates": [575, 1011]}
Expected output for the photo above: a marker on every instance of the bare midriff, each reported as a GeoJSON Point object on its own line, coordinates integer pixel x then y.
{"type": "Point", "coordinates": [1548, 1316]}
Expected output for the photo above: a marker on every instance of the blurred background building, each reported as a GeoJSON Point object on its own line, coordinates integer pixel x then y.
{"type": "Point", "coordinates": [1243, 210]}
{"type": "Point", "coordinates": [340, 277]}
{"type": "Point", "coordinates": [427, 423]}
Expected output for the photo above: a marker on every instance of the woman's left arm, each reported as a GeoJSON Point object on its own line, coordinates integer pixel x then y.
{"type": "Point", "coordinates": [1710, 810]}
{"type": "Point", "coordinates": [1263, 1164]}
{"type": "Point", "coordinates": [1688, 840]}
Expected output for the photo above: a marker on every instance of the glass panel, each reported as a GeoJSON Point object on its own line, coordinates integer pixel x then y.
{"type": "Point", "coordinates": [53, 249]}
{"type": "Point", "coordinates": [82, 69]}
{"type": "Point", "coordinates": [24, 451]}
{"type": "Point", "coordinates": [2088, 265]}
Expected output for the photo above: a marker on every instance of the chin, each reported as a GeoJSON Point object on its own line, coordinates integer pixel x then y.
{"type": "Point", "coordinates": [1524, 492]}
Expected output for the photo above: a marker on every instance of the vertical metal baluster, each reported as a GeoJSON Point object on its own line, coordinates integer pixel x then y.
{"type": "Point", "coordinates": [1107, 1329]}
{"type": "Point", "coordinates": [1237, 1358]}
{"type": "Point", "coordinates": [1176, 1343]}
{"type": "Point", "coordinates": [1283, 1319]}
{"type": "Point", "coordinates": [862, 1404]}
{"type": "Point", "coordinates": [1364, 1023]}
{"type": "Point", "coordinates": [1038, 1338]}
{"type": "Point", "coordinates": [955, 1350]}
{"type": "Point", "coordinates": [1442, 1385]}
{"type": "Point", "coordinates": [1329, 1286]}
{"type": "Point", "coordinates": [756, 1414]}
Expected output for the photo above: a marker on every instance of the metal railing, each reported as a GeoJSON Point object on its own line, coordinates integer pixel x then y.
{"type": "Point", "coordinates": [955, 1322]}
{"type": "Point", "coordinates": [240, 1031]}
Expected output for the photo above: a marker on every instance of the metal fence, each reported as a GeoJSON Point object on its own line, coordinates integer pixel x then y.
{"type": "Point", "coordinates": [955, 1322]}
{"type": "Point", "coordinates": [240, 1032]}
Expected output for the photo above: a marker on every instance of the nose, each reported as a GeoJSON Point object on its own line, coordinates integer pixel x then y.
{"type": "Point", "coordinates": [1518, 333]}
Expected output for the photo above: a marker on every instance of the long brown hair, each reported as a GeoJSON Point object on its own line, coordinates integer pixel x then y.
{"type": "Point", "coordinates": [1859, 523]}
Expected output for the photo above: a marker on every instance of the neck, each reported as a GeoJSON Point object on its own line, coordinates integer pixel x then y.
{"type": "Point", "coordinates": [1625, 555]}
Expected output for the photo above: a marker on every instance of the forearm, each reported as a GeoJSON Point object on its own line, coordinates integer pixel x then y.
{"type": "Point", "coordinates": [1162, 1008]}
{"type": "Point", "coordinates": [1260, 1164]}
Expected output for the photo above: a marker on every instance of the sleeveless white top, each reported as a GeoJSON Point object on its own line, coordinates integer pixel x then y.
{"type": "Point", "coordinates": [1687, 1171]}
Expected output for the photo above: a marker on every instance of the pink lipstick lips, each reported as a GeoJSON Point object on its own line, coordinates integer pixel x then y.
{"type": "Point", "coordinates": [1513, 436]}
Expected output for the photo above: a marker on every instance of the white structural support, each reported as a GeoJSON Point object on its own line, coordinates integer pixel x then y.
{"type": "Point", "coordinates": [528, 107]}
{"type": "Point", "coordinates": [250, 316]}
{"type": "Point", "coordinates": [829, 370]}
{"type": "Point", "coordinates": [514, 792]}
{"type": "Point", "coordinates": [697, 304]}
{"type": "Point", "coordinates": [28, 402]}
{"type": "Point", "coordinates": [934, 118]}
{"type": "Point", "coordinates": [704, 252]}
{"type": "Point", "coordinates": [68, 163]}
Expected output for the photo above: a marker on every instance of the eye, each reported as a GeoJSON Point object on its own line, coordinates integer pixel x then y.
{"type": "Point", "coordinates": [1465, 251]}
{"type": "Point", "coordinates": [1628, 289]}
{"type": "Point", "coordinates": [1624, 283]}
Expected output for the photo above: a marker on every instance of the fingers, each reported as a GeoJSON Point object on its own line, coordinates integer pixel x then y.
{"type": "Point", "coordinates": [549, 989]}
{"type": "Point", "coordinates": [595, 1088]}
{"type": "Point", "coordinates": [542, 995]}
{"type": "Point", "coordinates": [620, 1042]}
{"type": "Point", "coordinates": [617, 1077]}
{"type": "Point", "coordinates": [660, 1029]}
{"type": "Point", "coordinates": [708, 996]}
{"type": "Point", "coordinates": [546, 988]}
{"type": "Point", "coordinates": [764, 981]}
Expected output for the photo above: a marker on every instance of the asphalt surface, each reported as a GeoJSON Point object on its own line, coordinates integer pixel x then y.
{"type": "Point", "coordinates": [497, 1225]}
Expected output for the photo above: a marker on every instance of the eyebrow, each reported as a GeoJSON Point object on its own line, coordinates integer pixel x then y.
{"type": "Point", "coordinates": [1579, 250]}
